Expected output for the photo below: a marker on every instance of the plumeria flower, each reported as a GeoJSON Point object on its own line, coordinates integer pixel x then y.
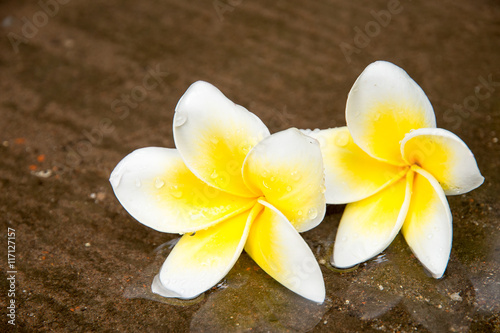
{"type": "Point", "coordinates": [228, 186]}
{"type": "Point", "coordinates": [394, 168]}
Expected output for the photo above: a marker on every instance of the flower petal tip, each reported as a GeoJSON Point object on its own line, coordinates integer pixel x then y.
{"type": "Point", "coordinates": [158, 288]}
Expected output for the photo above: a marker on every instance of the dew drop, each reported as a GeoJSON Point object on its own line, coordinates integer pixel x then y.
{"type": "Point", "coordinates": [175, 192]}
{"type": "Point", "coordinates": [138, 182]}
{"type": "Point", "coordinates": [214, 174]}
{"type": "Point", "coordinates": [429, 236]}
{"type": "Point", "coordinates": [245, 148]}
{"type": "Point", "coordinates": [312, 213]}
{"type": "Point", "coordinates": [179, 119]}
{"type": "Point", "coordinates": [342, 140]}
{"type": "Point", "coordinates": [322, 188]}
{"type": "Point", "coordinates": [273, 179]}
{"type": "Point", "coordinates": [159, 183]}
{"type": "Point", "coordinates": [299, 213]}
{"type": "Point", "coordinates": [266, 185]}
{"type": "Point", "coordinates": [289, 189]}
{"type": "Point", "coordinates": [295, 175]}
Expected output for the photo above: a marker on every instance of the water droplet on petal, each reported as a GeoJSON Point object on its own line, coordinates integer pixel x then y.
{"type": "Point", "coordinates": [299, 213]}
{"type": "Point", "coordinates": [179, 119]}
{"type": "Point", "coordinates": [312, 213]}
{"type": "Point", "coordinates": [273, 179]}
{"type": "Point", "coordinates": [342, 140]}
{"type": "Point", "coordinates": [430, 236]}
{"type": "Point", "coordinates": [159, 183]}
{"type": "Point", "coordinates": [214, 174]}
{"type": "Point", "coordinates": [295, 175]}
{"type": "Point", "coordinates": [288, 188]}
{"type": "Point", "coordinates": [265, 184]}
{"type": "Point", "coordinates": [175, 192]}
{"type": "Point", "coordinates": [138, 182]}
{"type": "Point", "coordinates": [322, 188]}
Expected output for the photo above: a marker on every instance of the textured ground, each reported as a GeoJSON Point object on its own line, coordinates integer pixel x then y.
{"type": "Point", "coordinates": [84, 83]}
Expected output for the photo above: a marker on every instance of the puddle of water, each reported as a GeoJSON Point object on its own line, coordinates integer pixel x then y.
{"type": "Point", "coordinates": [253, 300]}
{"type": "Point", "coordinates": [397, 279]}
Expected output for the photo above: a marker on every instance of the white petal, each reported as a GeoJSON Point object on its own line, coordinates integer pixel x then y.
{"type": "Point", "coordinates": [156, 188]}
{"type": "Point", "coordinates": [445, 156]}
{"type": "Point", "coordinates": [200, 261]}
{"type": "Point", "coordinates": [287, 169]}
{"type": "Point", "coordinates": [214, 135]}
{"type": "Point", "coordinates": [368, 226]}
{"type": "Point", "coordinates": [428, 225]}
{"type": "Point", "coordinates": [350, 173]}
{"type": "Point", "coordinates": [383, 105]}
{"type": "Point", "coordinates": [275, 245]}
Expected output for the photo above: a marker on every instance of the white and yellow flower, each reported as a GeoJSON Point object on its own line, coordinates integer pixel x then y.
{"type": "Point", "coordinates": [394, 167]}
{"type": "Point", "coordinates": [228, 186]}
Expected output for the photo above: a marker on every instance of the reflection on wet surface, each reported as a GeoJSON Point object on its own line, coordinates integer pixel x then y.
{"type": "Point", "coordinates": [371, 295]}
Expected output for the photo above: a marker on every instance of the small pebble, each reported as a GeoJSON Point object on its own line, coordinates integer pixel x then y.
{"type": "Point", "coordinates": [456, 297]}
{"type": "Point", "coordinates": [87, 244]}
{"type": "Point", "coordinates": [43, 173]}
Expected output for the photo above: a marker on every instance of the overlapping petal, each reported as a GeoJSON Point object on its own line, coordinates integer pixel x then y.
{"type": "Point", "coordinates": [369, 226]}
{"type": "Point", "coordinates": [350, 173]}
{"type": "Point", "coordinates": [275, 245]}
{"type": "Point", "coordinates": [445, 156]}
{"type": "Point", "coordinates": [383, 105]}
{"type": "Point", "coordinates": [156, 188]}
{"type": "Point", "coordinates": [287, 169]}
{"type": "Point", "coordinates": [199, 261]}
{"type": "Point", "coordinates": [428, 227]}
{"type": "Point", "coordinates": [214, 135]}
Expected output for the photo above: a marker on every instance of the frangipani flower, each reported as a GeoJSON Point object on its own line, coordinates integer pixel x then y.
{"type": "Point", "coordinates": [394, 167]}
{"type": "Point", "coordinates": [228, 186]}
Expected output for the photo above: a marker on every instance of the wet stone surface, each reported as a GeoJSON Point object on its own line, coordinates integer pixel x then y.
{"type": "Point", "coordinates": [83, 84]}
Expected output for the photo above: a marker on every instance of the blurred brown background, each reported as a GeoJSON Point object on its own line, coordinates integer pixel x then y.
{"type": "Point", "coordinates": [85, 83]}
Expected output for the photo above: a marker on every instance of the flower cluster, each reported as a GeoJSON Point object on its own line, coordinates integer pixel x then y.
{"type": "Point", "coordinates": [231, 186]}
